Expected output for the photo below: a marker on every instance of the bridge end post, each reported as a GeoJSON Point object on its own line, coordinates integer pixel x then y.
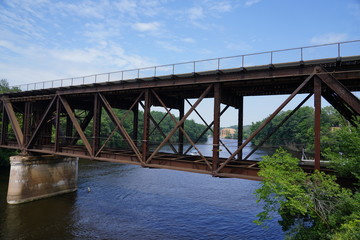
{"type": "Point", "coordinates": [36, 177]}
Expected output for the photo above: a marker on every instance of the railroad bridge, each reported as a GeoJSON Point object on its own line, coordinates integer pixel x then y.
{"type": "Point", "coordinates": [64, 117]}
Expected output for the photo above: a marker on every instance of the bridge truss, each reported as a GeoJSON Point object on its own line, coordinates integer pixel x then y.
{"type": "Point", "coordinates": [68, 120]}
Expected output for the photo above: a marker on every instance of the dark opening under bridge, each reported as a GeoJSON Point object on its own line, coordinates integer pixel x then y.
{"type": "Point", "coordinates": [44, 117]}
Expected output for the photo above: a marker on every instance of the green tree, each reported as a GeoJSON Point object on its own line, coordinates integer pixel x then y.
{"type": "Point", "coordinates": [313, 206]}
{"type": "Point", "coordinates": [344, 152]}
{"type": "Point", "coordinates": [298, 131]}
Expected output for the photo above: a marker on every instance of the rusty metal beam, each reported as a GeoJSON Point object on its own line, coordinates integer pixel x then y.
{"type": "Point", "coordinates": [262, 126]}
{"type": "Point", "coordinates": [135, 104]}
{"type": "Point", "coordinates": [57, 126]}
{"type": "Point", "coordinates": [146, 129]}
{"type": "Point", "coordinates": [240, 126]}
{"type": "Point", "coordinates": [27, 121]}
{"type": "Point", "coordinates": [278, 126]}
{"type": "Point", "coordinates": [162, 119]}
{"type": "Point", "coordinates": [14, 122]}
{"type": "Point", "coordinates": [76, 124]}
{"type": "Point", "coordinates": [352, 101]}
{"type": "Point", "coordinates": [41, 122]}
{"type": "Point", "coordinates": [118, 123]}
{"type": "Point", "coordinates": [181, 129]}
{"type": "Point", "coordinates": [317, 121]}
{"type": "Point", "coordinates": [179, 123]}
{"type": "Point", "coordinates": [4, 125]}
{"type": "Point", "coordinates": [69, 130]}
{"type": "Point", "coordinates": [160, 130]}
{"type": "Point", "coordinates": [201, 79]}
{"type": "Point", "coordinates": [83, 126]}
{"type": "Point", "coordinates": [208, 127]}
{"type": "Point", "coordinates": [216, 131]}
{"type": "Point", "coordinates": [181, 135]}
{"type": "Point", "coordinates": [96, 124]}
{"type": "Point", "coordinates": [136, 123]}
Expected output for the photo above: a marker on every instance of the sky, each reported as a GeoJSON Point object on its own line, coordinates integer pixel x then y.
{"type": "Point", "coordinates": [53, 39]}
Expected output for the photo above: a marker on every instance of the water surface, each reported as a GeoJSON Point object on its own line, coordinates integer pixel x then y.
{"type": "Point", "coordinates": [130, 202]}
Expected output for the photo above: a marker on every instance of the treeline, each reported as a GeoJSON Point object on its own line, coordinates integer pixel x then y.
{"type": "Point", "coordinates": [164, 121]}
{"type": "Point", "coordinates": [298, 131]}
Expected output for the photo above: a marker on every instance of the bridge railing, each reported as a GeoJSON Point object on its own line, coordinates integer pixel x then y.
{"type": "Point", "coordinates": [322, 51]}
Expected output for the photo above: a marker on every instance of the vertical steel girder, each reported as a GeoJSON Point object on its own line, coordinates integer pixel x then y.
{"type": "Point", "coordinates": [181, 135]}
{"type": "Point", "coordinates": [262, 126]}
{"type": "Point", "coordinates": [240, 126]}
{"type": "Point", "coordinates": [57, 125]}
{"type": "Point", "coordinates": [96, 124]}
{"type": "Point", "coordinates": [317, 121]}
{"type": "Point", "coordinates": [146, 130]}
{"type": "Point", "coordinates": [216, 135]}
{"type": "Point", "coordinates": [27, 121]}
{"type": "Point", "coordinates": [136, 123]}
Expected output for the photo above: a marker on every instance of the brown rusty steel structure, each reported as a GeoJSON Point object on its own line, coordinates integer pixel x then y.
{"type": "Point", "coordinates": [68, 120]}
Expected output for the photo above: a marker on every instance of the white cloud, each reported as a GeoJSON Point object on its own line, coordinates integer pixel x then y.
{"type": "Point", "coordinates": [169, 46]}
{"type": "Point", "coordinates": [196, 13]}
{"type": "Point", "coordinates": [220, 6]}
{"type": "Point", "coordinates": [188, 40]}
{"type": "Point", "coordinates": [147, 27]}
{"type": "Point", "coordinates": [329, 38]}
{"type": "Point", "coordinates": [251, 2]}
{"type": "Point", "coordinates": [127, 6]}
{"type": "Point", "coordinates": [238, 46]}
{"type": "Point", "coordinates": [86, 8]}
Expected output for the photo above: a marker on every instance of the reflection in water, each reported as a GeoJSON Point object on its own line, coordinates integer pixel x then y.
{"type": "Point", "coordinates": [231, 144]}
{"type": "Point", "coordinates": [130, 202]}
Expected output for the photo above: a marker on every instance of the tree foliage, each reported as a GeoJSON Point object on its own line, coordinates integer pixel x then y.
{"type": "Point", "coordinates": [311, 206]}
{"type": "Point", "coordinates": [298, 131]}
{"type": "Point", "coordinates": [344, 151]}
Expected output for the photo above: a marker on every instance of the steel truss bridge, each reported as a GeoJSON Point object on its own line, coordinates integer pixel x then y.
{"type": "Point", "coordinates": [45, 117]}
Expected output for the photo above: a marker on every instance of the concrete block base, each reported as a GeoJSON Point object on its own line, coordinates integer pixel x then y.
{"type": "Point", "coordinates": [36, 177]}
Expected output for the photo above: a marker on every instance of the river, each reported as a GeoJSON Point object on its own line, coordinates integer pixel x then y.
{"type": "Point", "coordinates": [117, 201]}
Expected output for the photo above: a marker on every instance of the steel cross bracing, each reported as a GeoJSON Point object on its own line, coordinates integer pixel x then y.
{"type": "Point", "coordinates": [69, 121]}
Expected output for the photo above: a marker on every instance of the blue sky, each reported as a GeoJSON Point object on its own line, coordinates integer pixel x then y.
{"type": "Point", "coordinates": [51, 39]}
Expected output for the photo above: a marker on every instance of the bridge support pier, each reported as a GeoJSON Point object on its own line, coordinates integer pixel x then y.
{"type": "Point", "coordinates": [36, 177]}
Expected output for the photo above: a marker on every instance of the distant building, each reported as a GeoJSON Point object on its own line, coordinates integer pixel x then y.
{"type": "Point", "coordinates": [227, 132]}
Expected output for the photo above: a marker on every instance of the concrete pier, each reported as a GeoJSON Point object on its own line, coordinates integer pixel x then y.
{"type": "Point", "coordinates": [36, 177]}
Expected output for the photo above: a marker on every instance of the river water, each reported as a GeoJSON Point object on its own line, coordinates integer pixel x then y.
{"type": "Point", "coordinates": [117, 201]}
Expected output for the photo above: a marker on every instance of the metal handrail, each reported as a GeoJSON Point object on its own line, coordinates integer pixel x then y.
{"type": "Point", "coordinates": [172, 67]}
